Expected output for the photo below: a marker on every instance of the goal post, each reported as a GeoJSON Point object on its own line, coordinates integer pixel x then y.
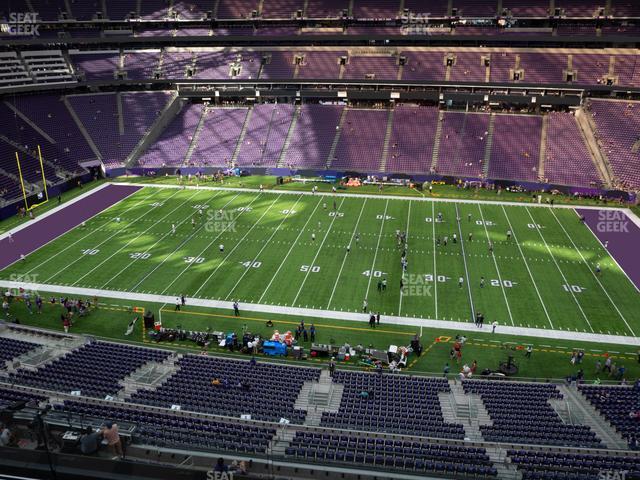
{"type": "Point", "coordinates": [43, 197]}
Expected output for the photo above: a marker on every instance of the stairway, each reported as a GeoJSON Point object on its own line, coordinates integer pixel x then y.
{"type": "Point", "coordinates": [196, 136]}
{"type": "Point", "coordinates": [287, 141]}
{"type": "Point", "coordinates": [599, 158]}
{"type": "Point", "coordinates": [488, 146]}
{"type": "Point", "coordinates": [149, 376]}
{"type": "Point", "coordinates": [578, 410]}
{"type": "Point", "coordinates": [436, 143]}
{"type": "Point", "coordinates": [170, 110]}
{"type": "Point", "coordinates": [243, 133]}
{"type": "Point", "coordinates": [336, 139]}
{"type": "Point", "coordinates": [83, 130]}
{"type": "Point", "coordinates": [543, 147]}
{"type": "Point", "coordinates": [318, 397]}
{"type": "Point", "coordinates": [387, 139]}
{"type": "Point", "coordinates": [120, 114]}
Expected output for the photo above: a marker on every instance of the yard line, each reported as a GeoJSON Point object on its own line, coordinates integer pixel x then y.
{"type": "Point", "coordinates": [129, 242]}
{"type": "Point", "coordinates": [375, 255]}
{"type": "Point", "coordinates": [407, 241]}
{"type": "Point", "coordinates": [466, 269]}
{"type": "Point", "coordinates": [232, 250]}
{"type": "Point", "coordinates": [513, 232]}
{"type": "Point", "coordinates": [79, 258]}
{"type": "Point", "coordinates": [184, 242]}
{"type": "Point", "coordinates": [344, 259]}
{"type": "Point", "coordinates": [96, 230]}
{"type": "Point", "coordinates": [435, 268]}
{"type": "Point", "coordinates": [495, 262]}
{"type": "Point", "coordinates": [566, 282]}
{"type": "Point", "coordinates": [313, 262]}
{"type": "Point", "coordinates": [263, 247]}
{"type": "Point", "coordinates": [594, 275]}
{"type": "Point", "coordinates": [290, 250]}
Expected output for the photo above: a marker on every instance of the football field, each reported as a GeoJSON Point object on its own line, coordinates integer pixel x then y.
{"type": "Point", "coordinates": [333, 252]}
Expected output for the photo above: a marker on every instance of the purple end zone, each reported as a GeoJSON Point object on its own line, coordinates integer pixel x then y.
{"type": "Point", "coordinates": [42, 231]}
{"type": "Point", "coordinates": [622, 235]}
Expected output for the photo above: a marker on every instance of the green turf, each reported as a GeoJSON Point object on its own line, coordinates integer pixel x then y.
{"type": "Point", "coordinates": [270, 257]}
{"type": "Point", "coordinates": [550, 358]}
{"type": "Point", "coordinates": [438, 190]}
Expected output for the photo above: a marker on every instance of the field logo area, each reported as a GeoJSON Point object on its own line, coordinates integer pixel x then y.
{"type": "Point", "coordinates": [219, 221]}
{"type": "Point", "coordinates": [612, 221]}
{"type": "Point", "coordinates": [20, 24]}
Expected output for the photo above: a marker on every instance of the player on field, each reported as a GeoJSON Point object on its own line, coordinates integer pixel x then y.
{"type": "Point", "coordinates": [460, 282]}
{"type": "Point", "coordinates": [439, 217]}
{"type": "Point", "coordinates": [173, 229]}
{"type": "Point", "coordinates": [324, 206]}
{"type": "Point", "coordinates": [357, 238]}
{"type": "Point", "coordinates": [470, 236]}
{"type": "Point", "coordinates": [384, 284]}
{"type": "Point", "coordinates": [193, 222]}
{"type": "Point", "coordinates": [598, 270]}
{"type": "Point", "coordinates": [469, 217]}
{"type": "Point", "coordinates": [221, 247]}
{"type": "Point", "coordinates": [313, 237]}
{"type": "Point", "coordinates": [365, 304]}
{"type": "Point", "coordinates": [455, 238]}
{"type": "Point", "coordinates": [348, 248]}
{"type": "Point", "coordinates": [606, 243]}
{"type": "Point", "coordinates": [437, 241]}
{"type": "Point", "coordinates": [490, 247]}
{"type": "Point", "coordinates": [445, 240]}
{"type": "Point", "coordinates": [10, 237]}
{"type": "Point", "coordinates": [508, 234]}
{"type": "Point", "coordinates": [481, 282]}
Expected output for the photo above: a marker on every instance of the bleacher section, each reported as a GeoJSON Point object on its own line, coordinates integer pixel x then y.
{"type": "Point", "coordinates": [617, 125]}
{"type": "Point", "coordinates": [10, 348]}
{"type": "Point", "coordinates": [94, 369]}
{"type": "Point", "coordinates": [171, 147]}
{"type": "Point", "coordinates": [182, 432]}
{"type": "Point", "coordinates": [264, 391]}
{"type": "Point", "coordinates": [511, 407]}
{"type": "Point", "coordinates": [619, 405]}
{"type": "Point", "coordinates": [219, 136]}
{"type": "Point", "coordinates": [571, 466]}
{"type": "Point", "coordinates": [100, 116]}
{"type": "Point", "coordinates": [395, 404]}
{"type": "Point", "coordinates": [416, 457]}
{"type": "Point", "coordinates": [398, 427]}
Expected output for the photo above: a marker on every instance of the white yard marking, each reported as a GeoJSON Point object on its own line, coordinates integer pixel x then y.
{"type": "Point", "coordinates": [515, 238]}
{"type": "Point", "coordinates": [592, 273]}
{"type": "Point", "coordinates": [232, 250]}
{"type": "Point", "coordinates": [573, 295]}
{"type": "Point", "coordinates": [346, 254]}
{"type": "Point", "coordinates": [128, 243]}
{"type": "Point", "coordinates": [466, 268]}
{"type": "Point", "coordinates": [333, 219]}
{"type": "Point", "coordinates": [184, 242]}
{"type": "Point", "coordinates": [375, 255]}
{"type": "Point", "coordinates": [92, 232]}
{"type": "Point", "coordinates": [407, 239]}
{"type": "Point", "coordinates": [290, 250]}
{"type": "Point", "coordinates": [495, 262]}
{"type": "Point", "coordinates": [435, 268]}
{"type": "Point", "coordinates": [286, 216]}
